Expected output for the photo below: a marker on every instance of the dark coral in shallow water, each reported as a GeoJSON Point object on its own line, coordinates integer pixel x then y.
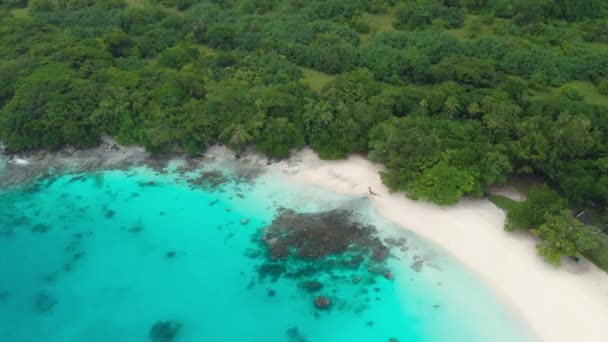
{"type": "Point", "coordinates": [322, 302]}
{"type": "Point", "coordinates": [40, 228]}
{"type": "Point", "coordinates": [312, 286]}
{"type": "Point", "coordinates": [304, 245]}
{"type": "Point", "coordinates": [323, 250]}
{"type": "Point", "coordinates": [44, 303]}
{"type": "Point", "coordinates": [164, 331]}
{"type": "Point", "coordinates": [318, 235]}
{"type": "Point", "coordinates": [294, 335]}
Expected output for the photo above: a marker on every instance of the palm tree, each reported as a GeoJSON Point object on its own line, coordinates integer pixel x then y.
{"type": "Point", "coordinates": [258, 103]}
{"type": "Point", "coordinates": [424, 106]}
{"type": "Point", "coordinates": [451, 106]}
{"type": "Point", "coordinates": [486, 104]}
{"type": "Point", "coordinates": [326, 117]}
{"type": "Point", "coordinates": [239, 136]}
{"type": "Point", "coordinates": [200, 29]}
{"type": "Point", "coordinates": [473, 109]}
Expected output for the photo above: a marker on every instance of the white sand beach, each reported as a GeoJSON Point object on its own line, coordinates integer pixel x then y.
{"type": "Point", "coordinates": [558, 304]}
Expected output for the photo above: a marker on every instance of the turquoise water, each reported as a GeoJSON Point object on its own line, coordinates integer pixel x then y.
{"type": "Point", "coordinates": [103, 256]}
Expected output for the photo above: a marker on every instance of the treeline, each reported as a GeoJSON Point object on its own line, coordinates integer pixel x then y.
{"type": "Point", "coordinates": [447, 116]}
{"type": "Point", "coordinates": [545, 214]}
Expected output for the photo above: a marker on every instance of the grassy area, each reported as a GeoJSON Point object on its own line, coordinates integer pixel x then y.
{"type": "Point", "coordinates": [135, 3]}
{"type": "Point", "coordinates": [206, 50]}
{"type": "Point", "coordinates": [378, 23]}
{"type": "Point", "coordinates": [597, 47]}
{"type": "Point", "coordinates": [464, 32]}
{"type": "Point", "coordinates": [587, 89]}
{"type": "Point", "coordinates": [316, 80]}
{"type": "Point", "coordinates": [595, 218]}
{"type": "Point", "coordinates": [20, 12]}
{"type": "Point", "coordinates": [524, 183]}
{"type": "Point", "coordinates": [589, 92]}
{"type": "Point", "coordinates": [502, 202]}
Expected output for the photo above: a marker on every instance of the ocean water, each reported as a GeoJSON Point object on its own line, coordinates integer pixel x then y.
{"type": "Point", "coordinates": [104, 256]}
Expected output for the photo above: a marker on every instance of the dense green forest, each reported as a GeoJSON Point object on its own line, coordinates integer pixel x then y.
{"type": "Point", "coordinates": [452, 96]}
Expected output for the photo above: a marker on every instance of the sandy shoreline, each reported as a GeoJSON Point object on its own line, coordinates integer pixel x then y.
{"type": "Point", "coordinates": [566, 304]}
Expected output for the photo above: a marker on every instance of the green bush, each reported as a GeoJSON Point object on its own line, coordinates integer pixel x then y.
{"type": "Point", "coordinates": [602, 87]}
{"type": "Point", "coordinates": [541, 202]}
{"type": "Point", "coordinates": [571, 93]}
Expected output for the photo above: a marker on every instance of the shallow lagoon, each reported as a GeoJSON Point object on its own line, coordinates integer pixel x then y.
{"type": "Point", "coordinates": [103, 256]}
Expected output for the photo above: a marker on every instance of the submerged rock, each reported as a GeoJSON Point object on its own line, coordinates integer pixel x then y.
{"type": "Point", "coordinates": [271, 293]}
{"type": "Point", "coordinates": [136, 228]}
{"type": "Point", "coordinates": [40, 228]}
{"type": "Point", "coordinates": [210, 180]}
{"type": "Point", "coordinates": [294, 335]}
{"type": "Point", "coordinates": [322, 302]}
{"type": "Point", "coordinates": [274, 271]}
{"type": "Point", "coordinates": [312, 286]}
{"type": "Point", "coordinates": [244, 221]}
{"type": "Point", "coordinates": [3, 296]}
{"type": "Point", "coordinates": [109, 213]}
{"type": "Point", "coordinates": [44, 303]}
{"type": "Point", "coordinates": [164, 331]}
{"type": "Point", "coordinates": [394, 242]}
{"type": "Point", "coordinates": [417, 265]}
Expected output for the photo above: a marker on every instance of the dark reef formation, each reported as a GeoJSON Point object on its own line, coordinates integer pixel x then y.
{"type": "Point", "coordinates": [322, 302]}
{"type": "Point", "coordinates": [322, 252]}
{"type": "Point", "coordinates": [44, 303]}
{"type": "Point", "coordinates": [294, 335]}
{"type": "Point", "coordinates": [319, 235]}
{"type": "Point", "coordinates": [164, 331]}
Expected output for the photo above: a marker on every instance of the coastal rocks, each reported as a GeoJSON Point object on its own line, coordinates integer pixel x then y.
{"type": "Point", "coordinates": [389, 276]}
{"type": "Point", "coordinates": [322, 303]}
{"type": "Point", "coordinates": [164, 331]}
